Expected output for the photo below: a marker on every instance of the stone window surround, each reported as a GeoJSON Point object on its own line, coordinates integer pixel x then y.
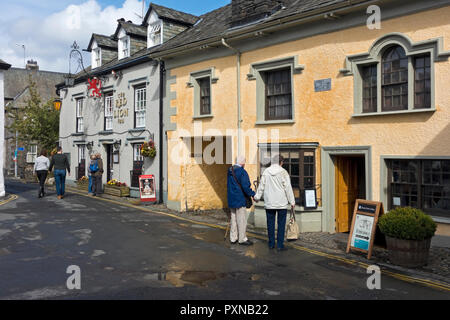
{"type": "Point", "coordinates": [255, 73]}
{"type": "Point", "coordinates": [354, 64]}
{"type": "Point", "coordinates": [193, 83]}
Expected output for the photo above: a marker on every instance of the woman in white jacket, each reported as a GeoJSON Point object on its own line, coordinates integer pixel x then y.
{"type": "Point", "coordinates": [276, 187]}
{"type": "Point", "coordinates": [41, 165]}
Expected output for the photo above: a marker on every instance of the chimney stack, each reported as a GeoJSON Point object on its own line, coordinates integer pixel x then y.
{"type": "Point", "coordinates": [32, 65]}
{"type": "Point", "coordinates": [247, 11]}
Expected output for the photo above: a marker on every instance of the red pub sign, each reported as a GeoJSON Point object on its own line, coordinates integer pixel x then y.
{"type": "Point", "coordinates": [147, 188]}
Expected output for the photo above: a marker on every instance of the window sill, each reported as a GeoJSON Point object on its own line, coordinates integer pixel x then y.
{"type": "Point", "coordinates": [386, 113]}
{"type": "Point", "coordinates": [269, 122]}
{"type": "Point", "coordinates": [106, 132]}
{"type": "Point", "coordinates": [137, 130]}
{"type": "Point", "coordinates": [77, 134]}
{"type": "Point", "coordinates": [205, 116]}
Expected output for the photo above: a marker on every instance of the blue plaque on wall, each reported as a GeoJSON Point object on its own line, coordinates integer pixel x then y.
{"type": "Point", "coordinates": [322, 85]}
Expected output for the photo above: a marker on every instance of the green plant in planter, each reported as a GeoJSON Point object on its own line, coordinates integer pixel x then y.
{"type": "Point", "coordinates": [408, 224]}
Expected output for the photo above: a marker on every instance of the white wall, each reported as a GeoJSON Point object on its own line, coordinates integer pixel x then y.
{"type": "Point", "coordinates": [2, 134]}
{"type": "Point", "coordinates": [94, 121]}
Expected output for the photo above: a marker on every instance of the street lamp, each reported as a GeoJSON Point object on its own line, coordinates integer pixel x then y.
{"type": "Point", "coordinates": [57, 104]}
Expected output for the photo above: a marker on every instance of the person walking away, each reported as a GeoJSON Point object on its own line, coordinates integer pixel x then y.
{"type": "Point", "coordinates": [97, 176]}
{"type": "Point", "coordinates": [276, 187]}
{"type": "Point", "coordinates": [61, 164]}
{"type": "Point", "coordinates": [41, 166]}
{"type": "Point", "coordinates": [91, 171]}
{"type": "Point", "coordinates": [238, 188]}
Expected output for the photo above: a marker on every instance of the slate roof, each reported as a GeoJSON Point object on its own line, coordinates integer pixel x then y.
{"type": "Point", "coordinates": [175, 15]}
{"type": "Point", "coordinates": [4, 65]}
{"type": "Point", "coordinates": [16, 82]}
{"type": "Point", "coordinates": [103, 41]}
{"type": "Point", "coordinates": [217, 23]}
{"type": "Point", "coordinates": [131, 29]}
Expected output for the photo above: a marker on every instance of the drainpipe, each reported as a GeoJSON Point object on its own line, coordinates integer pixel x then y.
{"type": "Point", "coordinates": [238, 75]}
{"type": "Point", "coordinates": [162, 71]}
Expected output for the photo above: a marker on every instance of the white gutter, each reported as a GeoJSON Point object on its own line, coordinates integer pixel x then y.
{"type": "Point", "coordinates": [238, 76]}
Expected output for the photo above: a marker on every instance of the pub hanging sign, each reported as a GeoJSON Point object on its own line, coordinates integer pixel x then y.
{"type": "Point", "coordinates": [95, 85]}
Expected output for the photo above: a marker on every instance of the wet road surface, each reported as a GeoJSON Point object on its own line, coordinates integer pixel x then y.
{"type": "Point", "coordinates": [129, 254]}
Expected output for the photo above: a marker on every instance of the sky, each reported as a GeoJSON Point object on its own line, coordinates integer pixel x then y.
{"type": "Point", "coordinates": [47, 28]}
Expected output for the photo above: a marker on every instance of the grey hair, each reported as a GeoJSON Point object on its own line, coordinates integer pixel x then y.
{"type": "Point", "coordinates": [240, 160]}
{"type": "Point", "coordinates": [277, 159]}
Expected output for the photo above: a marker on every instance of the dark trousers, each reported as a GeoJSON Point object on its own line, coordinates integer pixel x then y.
{"type": "Point", "coordinates": [281, 227]}
{"type": "Point", "coordinates": [97, 185]}
{"type": "Point", "coordinates": [42, 176]}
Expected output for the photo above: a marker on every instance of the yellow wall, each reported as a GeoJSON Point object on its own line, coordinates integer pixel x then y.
{"type": "Point", "coordinates": [324, 117]}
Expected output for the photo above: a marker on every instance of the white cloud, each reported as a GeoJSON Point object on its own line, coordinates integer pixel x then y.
{"type": "Point", "coordinates": [48, 39]}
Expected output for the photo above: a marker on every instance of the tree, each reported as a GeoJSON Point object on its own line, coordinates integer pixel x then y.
{"type": "Point", "coordinates": [36, 121]}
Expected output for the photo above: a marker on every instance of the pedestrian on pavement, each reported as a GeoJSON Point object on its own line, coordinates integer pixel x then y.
{"type": "Point", "coordinates": [97, 187]}
{"type": "Point", "coordinates": [91, 171]}
{"type": "Point", "coordinates": [61, 164]}
{"type": "Point", "coordinates": [41, 166]}
{"type": "Point", "coordinates": [276, 187]}
{"type": "Point", "coordinates": [238, 188]}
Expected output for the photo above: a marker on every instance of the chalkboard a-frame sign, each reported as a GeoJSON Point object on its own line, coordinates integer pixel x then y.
{"type": "Point", "coordinates": [364, 225]}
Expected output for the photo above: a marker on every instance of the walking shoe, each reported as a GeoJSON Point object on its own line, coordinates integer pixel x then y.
{"type": "Point", "coordinates": [246, 243]}
{"type": "Point", "coordinates": [233, 242]}
{"type": "Point", "coordinates": [59, 197]}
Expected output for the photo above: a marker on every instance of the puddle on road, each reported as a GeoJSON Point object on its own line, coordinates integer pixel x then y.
{"type": "Point", "coordinates": [180, 279]}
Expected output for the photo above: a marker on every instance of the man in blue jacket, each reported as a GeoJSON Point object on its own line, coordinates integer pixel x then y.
{"type": "Point", "coordinates": [238, 183]}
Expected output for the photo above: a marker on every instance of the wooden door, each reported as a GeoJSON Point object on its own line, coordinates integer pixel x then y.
{"type": "Point", "coordinates": [109, 162]}
{"type": "Point", "coordinates": [346, 192]}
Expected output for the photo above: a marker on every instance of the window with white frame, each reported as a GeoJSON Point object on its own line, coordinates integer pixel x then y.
{"type": "Point", "coordinates": [109, 111]}
{"type": "Point", "coordinates": [140, 106]}
{"type": "Point", "coordinates": [154, 34]}
{"type": "Point", "coordinates": [96, 58]}
{"type": "Point", "coordinates": [125, 47]}
{"type": "Point", "coordinates": [32, 153]}
{"type": "Point", "coordinates": [79, 123]}
{"type": "Point", "coordinates": [137, 156]}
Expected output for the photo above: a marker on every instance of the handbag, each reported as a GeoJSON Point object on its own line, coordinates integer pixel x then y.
{"type": "Point", "coordinates": [248, 200]}
{"type": "Point", "coordinates": [292, 230]}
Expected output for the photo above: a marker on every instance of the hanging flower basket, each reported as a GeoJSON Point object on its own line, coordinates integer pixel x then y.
{"type": "Point", "coordinates": [148, 149]}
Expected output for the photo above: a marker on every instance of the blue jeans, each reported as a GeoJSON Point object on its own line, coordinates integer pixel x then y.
{"type": "Point", "coordinates": [60, 180]}
{"type": "Point", "coordinates": [281, 220]}
{"type": "Point", "coordinates": [90, 184]}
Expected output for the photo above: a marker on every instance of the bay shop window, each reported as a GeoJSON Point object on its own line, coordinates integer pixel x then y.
{"type": "Point", "coordinates": [420, 183]}
{"type": "Point", "coordinates": [299, 162]}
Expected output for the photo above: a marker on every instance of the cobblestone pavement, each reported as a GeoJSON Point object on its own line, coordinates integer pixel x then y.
{"type": "Point", "coordinates": [438, 267]}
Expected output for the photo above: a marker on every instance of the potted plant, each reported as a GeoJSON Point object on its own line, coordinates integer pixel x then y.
{"type": "Point", "coordinates": [117, 188]}
{"type": "Point", "coordinates": [148, 149]}
{"type": "Point", "coordinates": [408, 234]}
{"type": "Point", "coordinates": [83, 183]}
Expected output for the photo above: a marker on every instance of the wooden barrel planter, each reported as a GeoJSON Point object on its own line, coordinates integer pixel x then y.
{"type": "Point", "coordinates": [117, 191]}
{"type": "Point", "coordinates": [83, 185]}
{"type": "Point", "coordinates": [408, 253]}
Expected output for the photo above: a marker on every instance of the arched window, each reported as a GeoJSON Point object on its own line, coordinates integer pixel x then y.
{"type": "Point", "coordinates": [394, 79]}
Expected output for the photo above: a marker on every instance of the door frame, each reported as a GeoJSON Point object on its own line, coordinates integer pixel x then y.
{"type": "Point", "coordinates": [109, 148]}
{"type": "Point", "coordinates": [328, 155]}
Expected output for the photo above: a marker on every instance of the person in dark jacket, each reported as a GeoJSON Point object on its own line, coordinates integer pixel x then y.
{"type": "Point", "coordinates": [238, 186]}
{"type": "Point", "coordinates": [61, 164]}
{"type": "Point", "coordinates": [97, 184]}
